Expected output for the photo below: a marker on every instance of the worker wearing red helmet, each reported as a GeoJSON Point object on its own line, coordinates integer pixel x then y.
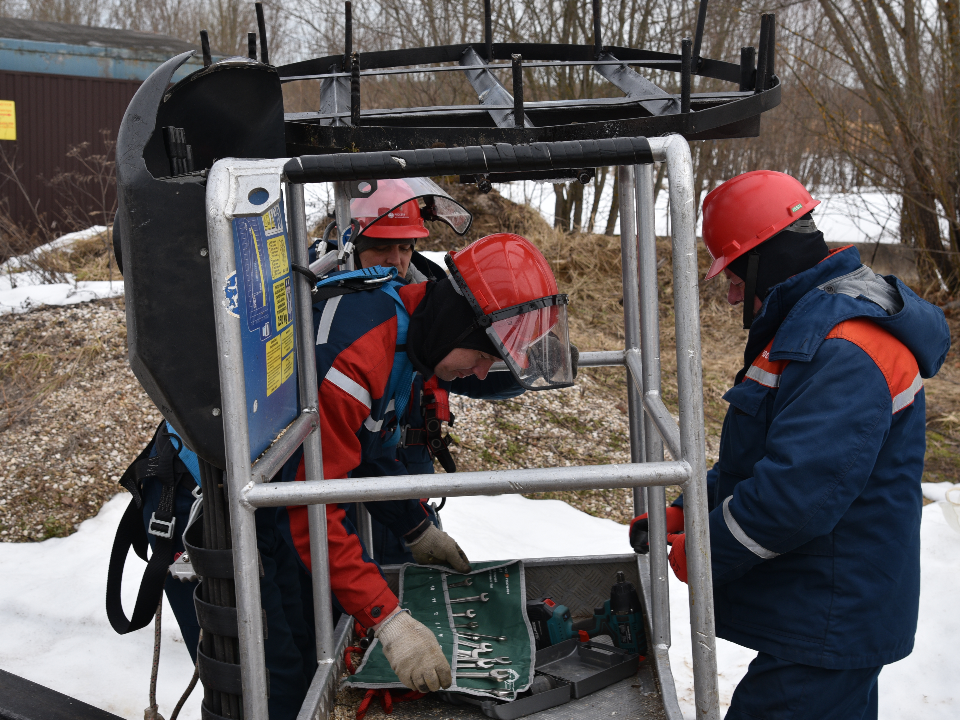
{"type": "Point", "coordinates": [815, 499]}
{"type": "Point", "coordinates": [388, 222]}
{"type": "Point", "coordinates": [502, 303]}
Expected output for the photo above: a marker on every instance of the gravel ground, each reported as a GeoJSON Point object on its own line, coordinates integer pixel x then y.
{"type": "Point", "coordinates": [72, 417]}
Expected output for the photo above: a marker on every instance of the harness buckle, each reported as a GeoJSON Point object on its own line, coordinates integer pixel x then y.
{"type": "Point", "coordinates": [161, 528]}
{"type": "Point", "coordinates": [402, 442]}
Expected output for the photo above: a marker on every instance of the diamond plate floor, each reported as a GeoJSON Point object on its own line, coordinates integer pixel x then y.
{"type": "Point", "coordinates": [636, 698]}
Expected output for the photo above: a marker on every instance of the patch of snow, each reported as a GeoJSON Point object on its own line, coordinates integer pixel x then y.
{"type": "Point", "coordinates": [56, 632]}
{"type": "Point", "coordinates": [61, 243]}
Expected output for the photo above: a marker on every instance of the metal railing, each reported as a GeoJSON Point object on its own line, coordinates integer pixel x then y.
{"type": "Point", "coordinates": [231, 186]}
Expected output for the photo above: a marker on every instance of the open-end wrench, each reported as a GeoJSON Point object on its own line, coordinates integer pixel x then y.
{"type": "Point", "coordinates": [466, 583]}
{"type": "Point", "coordinates": [472, 655]}
{"type": "Point", "coordinates": [499, 675]}
{"type": "Point", "coordinates": [482, 663]}
{"type": "Point", "coordinates": [482, 647]}
{"type": "Point", "coordinates": [469, 625]}
{"type": "Point", "coordinates": [471, 613]}
{"type": "Point", "coordinates": [479, 636]}
{"type": "Point", "coordinates": [482, 597]}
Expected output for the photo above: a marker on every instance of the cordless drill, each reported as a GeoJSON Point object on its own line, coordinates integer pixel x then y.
{"type": "Point", "coordinates": [620, 617]}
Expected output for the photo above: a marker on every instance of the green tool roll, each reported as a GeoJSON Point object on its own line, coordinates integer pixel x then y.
{"type": "Point", "coordinates": [425, 591]}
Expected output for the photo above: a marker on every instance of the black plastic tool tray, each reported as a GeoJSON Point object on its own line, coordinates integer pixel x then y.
{"type": "Point", "coordinates": [578, 668]}
{"type": "Point", "coordinates": [586, 666]}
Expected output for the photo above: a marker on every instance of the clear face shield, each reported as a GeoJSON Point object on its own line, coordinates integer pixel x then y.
{"type": "Point", "coordinates": [535, 343]}
{"type": "Point", "coordinates": [435, 203]}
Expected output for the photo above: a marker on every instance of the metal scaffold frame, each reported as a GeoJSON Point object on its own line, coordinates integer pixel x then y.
{"type": "Point", "coordinates": [651, 425]}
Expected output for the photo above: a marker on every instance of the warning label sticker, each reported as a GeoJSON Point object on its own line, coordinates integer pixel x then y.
{"type": "Point", "coordinates": [282, 303]}
{"type": "Point", "coordinates": [252, 268]}
{"type": "Point", "coordinates": [277, 250]}
{"type": "Point", "coordinates": [273, 221]}
{"type": "Point", "coordinates": [287, 367]}
{"type": "Point", "coordinates": [286, 342]}
{"type": "Point", "coordinates": [274, 366]}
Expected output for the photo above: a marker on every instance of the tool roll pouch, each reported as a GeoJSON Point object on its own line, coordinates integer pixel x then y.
{"type": "Point", "coordinates": [425, 593]}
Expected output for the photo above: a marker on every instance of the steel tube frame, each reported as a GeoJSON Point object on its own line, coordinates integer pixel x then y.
{"type": "Point", "coordinates": [631, 323]}
{"type": "Point", "coordinates": [656, 412]}
{"type": "Point", "coordinates": [602, 358]}
{"type": "Point", "coordinates": [312, 450]}
{"type": "Point", "coordinates": [688, 468]}
{"type": "Point", "coordinates": [676, 152]}
{"type": "Point", "coordinates": [486, 482]}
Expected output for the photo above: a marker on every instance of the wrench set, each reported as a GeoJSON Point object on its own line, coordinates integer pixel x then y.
{"type": "Point", "coordinates": [470, 646]}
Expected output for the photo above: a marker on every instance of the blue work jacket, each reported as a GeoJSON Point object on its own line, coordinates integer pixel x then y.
{"type": "Point", "coordinates": [815, 500]}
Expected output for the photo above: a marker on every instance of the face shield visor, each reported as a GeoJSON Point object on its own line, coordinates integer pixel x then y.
{"type": "Point", "coordinates": [534, 341]}
{"type": "Point", "coordinates": [390, 195]}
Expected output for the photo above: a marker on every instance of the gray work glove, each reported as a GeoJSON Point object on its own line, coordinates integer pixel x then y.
{"type": "Point", "coordinates": [435, 547]}
{"type": "Point", "coordinates": [413, 652]}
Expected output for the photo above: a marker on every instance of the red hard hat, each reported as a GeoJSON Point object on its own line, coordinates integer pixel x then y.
{"type": "Point", "coordinates": [748, 210]}
{"type": "Point", "coordinates": [401, 223]}
{"type": "Point", "coordinates": [514, 296]}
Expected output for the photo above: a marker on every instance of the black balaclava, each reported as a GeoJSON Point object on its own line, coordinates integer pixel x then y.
{"type": "Point", "coordinates": [796, 248]}
{"type": "Point", "coordinates": [439, 324]}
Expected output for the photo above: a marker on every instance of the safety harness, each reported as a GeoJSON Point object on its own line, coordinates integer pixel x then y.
{"type": "Point", "coordinates": [435, 410]}
{"type": "Point", "coordinates": [160, 459]}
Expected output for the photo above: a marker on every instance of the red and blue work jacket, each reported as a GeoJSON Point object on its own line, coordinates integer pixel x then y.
{"type": "Point", "coordinates": [815, 500]}
{"type": "Point", "coordinates": [356, 344]}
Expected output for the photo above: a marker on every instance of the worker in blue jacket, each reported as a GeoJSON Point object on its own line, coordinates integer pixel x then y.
{"type": "Point", "coordinates": [815, 499]}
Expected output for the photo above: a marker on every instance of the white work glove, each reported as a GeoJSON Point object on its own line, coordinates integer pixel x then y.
{"type": "Point", "coordinates": [413, 652]}
{"type": "Point", "coordinates": [435, 547]}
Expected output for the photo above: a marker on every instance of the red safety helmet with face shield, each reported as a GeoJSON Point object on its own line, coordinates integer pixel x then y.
{"type": "Point", "coordinates": [396, 210]}
{"type": "Point", "coordinates": [514, 297]}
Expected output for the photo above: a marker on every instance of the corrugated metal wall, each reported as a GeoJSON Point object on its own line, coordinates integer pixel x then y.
{"type": "Point", "coordinates": [54, 113]}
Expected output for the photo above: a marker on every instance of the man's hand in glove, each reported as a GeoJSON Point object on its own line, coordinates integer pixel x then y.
{"type": "Point", "coordinates": [435, 547]}
{"type": "Point", "coordinates": [413, 652]}
{"type": "Point", "coordinates": [640, 530]}
{"type": "Point", "coordinates": [678, 555]}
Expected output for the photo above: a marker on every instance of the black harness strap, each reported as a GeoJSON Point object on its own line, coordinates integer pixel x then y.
{"type": "Point", "coordinates": [131, 533]}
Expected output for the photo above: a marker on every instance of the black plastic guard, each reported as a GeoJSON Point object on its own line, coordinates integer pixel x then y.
{"type": "Point", "coordinates": [230, 109]}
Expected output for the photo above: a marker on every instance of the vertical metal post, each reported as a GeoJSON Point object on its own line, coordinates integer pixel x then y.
{"type": "Point", "coordinates": [631, 321]}
{"type": "Point", "coordinates": [252, 46]}
{"type": "Point", "coordinates": [488, 30]}
{"type": "Point", "coordinates": [597, 36]}
{"type": "Point", "coordinates": [347, 32]}
{"type": "Point", "coordinates": [650, 361]}
{"type": "Point", "coordinates": [698, 33]}
{"type": "Point", "coordinates": [517, 90]}
{"type": "Point", "coordinates": [355, 89]}
{"type": "Point", "coordinates": [692, 442]}
{"type": "Point", "coordinates": [312, 451]}
{"type": "Point", "coordinates": [205, 48]}
{"type": "Point", "coordinates": [341, 198]}
{"type": "Point", "coordinates": [262, 29]}
{"type": "Point", "coordinates": [685, 80]}
{"type": "Point", "coordinates": [747, 70]}
{"type": "Point", "coordinates": [762, 49]}
{"type": "Point", "coordinates": [246, 562]}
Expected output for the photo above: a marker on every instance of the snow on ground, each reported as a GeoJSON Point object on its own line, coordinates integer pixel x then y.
{"type": "Point", "coordinates": [862, 217]}
{"type": "Point", "coordinates": [56, 632]}
{"type": "Point", "coordinates": [23, 290]}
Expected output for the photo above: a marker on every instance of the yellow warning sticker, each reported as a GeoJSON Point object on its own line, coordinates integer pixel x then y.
{"type": "Point", "coordinates": [286, 342]}
{"type": "Point", "coordinates": [277, 250]}
{"type": "Point", "coordinates": [274, 366]}
{"type": "Point", "coordinates": [287, 367]}
{"type": "Point", "coordinates": [282, 303]}
{"type": "Point", "coordinates": [272, 221]}
{"type": "Point", "coordinates": [8, 120]}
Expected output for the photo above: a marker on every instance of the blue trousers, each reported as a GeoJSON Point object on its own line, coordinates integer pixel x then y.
{"type": "Point", "coordinates": [286, 595]}
{"type": "Point", "coordinates": [775, 689]}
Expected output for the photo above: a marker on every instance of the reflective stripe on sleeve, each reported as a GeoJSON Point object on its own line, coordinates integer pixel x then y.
{"type": "Point", "coordinates": [763, 377]}
{"type": "Point", "coordinates": [903, 399]}
{"type": "Point", "coordinates": [326, 319]}
{"type": "Point", "coordinates": [349, 386]}
{"type": "Point", "coordinates": [734, 527]}
{"type": "Point", "coordinates": [371, 425]}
